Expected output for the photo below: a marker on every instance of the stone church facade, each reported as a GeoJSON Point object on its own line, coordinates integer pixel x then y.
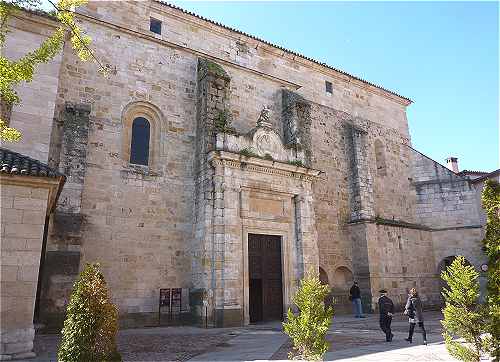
{"type": "Point", "coordinates": [252, 165]}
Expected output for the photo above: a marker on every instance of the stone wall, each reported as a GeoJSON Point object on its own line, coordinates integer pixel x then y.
{"type": "Point", "coordinates": [107, 223]}
{"type": "Point", "coordinates": [167, 224]}
{"type": "Point", "coordinates": [136, 221]}
{"type": "Point", "coordinates": [34, 115]}
{"type": "Point", "coordinates": [22, 221]}
{"type": "Point", "coordinates": [444, 199]}
{"type": "Point", "coordinates": [257, 68]}
{"type": "Point", "coordinates": [361, 211]}
{"type": "Point", "coordinates": [448, 203]}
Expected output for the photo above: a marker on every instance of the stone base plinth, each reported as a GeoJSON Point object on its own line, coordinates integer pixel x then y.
{"type": "Point", "coordinates": [17, 344]}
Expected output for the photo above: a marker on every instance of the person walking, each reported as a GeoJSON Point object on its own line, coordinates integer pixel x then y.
{"type": "Point", "coordinates": [386, 310]}
{"type": "Point", "coordinates": [413, 309]}
{"type": "Point", "coordinates": [355, 297]}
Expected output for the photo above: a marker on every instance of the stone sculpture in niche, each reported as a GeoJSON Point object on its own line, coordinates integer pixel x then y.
{"type": "Point", "coordinates": [263, 141]}
{"type": "Point", "coordinates": [264, 118]}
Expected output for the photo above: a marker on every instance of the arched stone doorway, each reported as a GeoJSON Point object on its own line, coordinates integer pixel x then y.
{"type": "Point", "coordinates": [342, 282]}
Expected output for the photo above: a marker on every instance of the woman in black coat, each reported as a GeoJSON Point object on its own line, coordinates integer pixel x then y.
{"type": "Point", "coordinates": [413, 309]}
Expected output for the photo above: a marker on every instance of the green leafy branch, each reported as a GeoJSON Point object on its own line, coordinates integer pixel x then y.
{"type": "Point", "coordinates": [14, 72]}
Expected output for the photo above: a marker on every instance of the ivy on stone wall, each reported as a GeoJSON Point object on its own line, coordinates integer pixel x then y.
{"type": "Point", "coordinates": [491, 242]}
{"type": "Point", "coordinates": [223, 121]}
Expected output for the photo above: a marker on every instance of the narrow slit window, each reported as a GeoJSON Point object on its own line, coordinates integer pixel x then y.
{"type": "Point", "coordinates": [155, 25]}
{"type": "Point", "coordinates": [328, 87]}
{"type": "Point", "coordinates": [139, 146]}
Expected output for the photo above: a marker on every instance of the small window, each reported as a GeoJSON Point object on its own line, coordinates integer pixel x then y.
{"type": "Point", "coordinates": [139, 146]}
{"type": "Point", "coordinates": [155, 26]}
{"type": "Point", "coordinates": [329, 87]}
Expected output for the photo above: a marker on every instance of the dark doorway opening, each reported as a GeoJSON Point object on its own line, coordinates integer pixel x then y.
{"type": "Point", "coordinates": [265, 279]}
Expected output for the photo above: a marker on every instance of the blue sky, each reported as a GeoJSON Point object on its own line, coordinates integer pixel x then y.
{"type": "Point", "coordinates": [442, 55]}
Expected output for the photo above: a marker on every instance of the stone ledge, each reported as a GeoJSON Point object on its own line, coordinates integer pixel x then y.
{"type": "Point", "coordinates": [388, 222]}
{"type": "Point", "coordinates": [237, 160]}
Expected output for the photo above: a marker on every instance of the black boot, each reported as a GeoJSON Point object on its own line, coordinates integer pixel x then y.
{"type": "Point", "coordinates": [410, 332]}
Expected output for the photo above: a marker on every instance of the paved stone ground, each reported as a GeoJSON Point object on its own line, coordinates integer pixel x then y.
{"type": "Point", "coordinates": [149, 344]}
{"type": "Point", "coordinates": [351, 340]}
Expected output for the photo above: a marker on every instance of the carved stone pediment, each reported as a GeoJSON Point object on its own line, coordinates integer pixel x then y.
{"type": "Point", "coordinates": [262, 141]}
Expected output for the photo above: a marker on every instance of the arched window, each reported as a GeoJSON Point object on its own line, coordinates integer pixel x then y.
{"type": "Point", "coordinates": [139, 144]}
{"type": "Point", "coordinates": [142, 127]}
{"type": "Point", "coordinates": [380, 158]}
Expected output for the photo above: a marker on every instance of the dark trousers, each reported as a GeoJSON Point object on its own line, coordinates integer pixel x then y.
{"type": "Point", "coordinates": [412, 328]}
{"type": "Point", "coordinates": [385, 326]}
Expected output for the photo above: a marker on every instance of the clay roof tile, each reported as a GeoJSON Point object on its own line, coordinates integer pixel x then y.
{"type": "Point", "coordinates": [14, 163]}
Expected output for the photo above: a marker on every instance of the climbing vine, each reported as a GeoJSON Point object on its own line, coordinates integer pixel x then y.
{"type": "Point", "coordinates": [223, 121]}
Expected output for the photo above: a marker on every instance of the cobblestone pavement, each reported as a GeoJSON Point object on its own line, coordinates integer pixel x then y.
{"type": "Point", "coordinates": [351, 340]}
{"type": "Point", "coordinates": [149, 344]}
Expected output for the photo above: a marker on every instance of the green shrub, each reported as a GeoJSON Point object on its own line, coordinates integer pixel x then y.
{"type": "Point", "coordinates": [308, 328]}
{"type": "Point", "coordinates": [296, 163]}
{"type": "Point", "coordinates": [223, 122]}
{"type": "Point", "coordinates": [491, 204]}
{"type": "Point", "coordinates": [91, 325]}
{"type": "Point", "coordinates": [463, 315]}
{"type": "Point", "coordinates": [269, 157]}
{"type": "Point", "coordinates": [248, 152]}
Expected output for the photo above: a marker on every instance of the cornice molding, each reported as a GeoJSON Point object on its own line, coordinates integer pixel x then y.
{"type": "Point", "coordinates": [54, 184]}
{"type": "Point", "coordinates": [255, 164]}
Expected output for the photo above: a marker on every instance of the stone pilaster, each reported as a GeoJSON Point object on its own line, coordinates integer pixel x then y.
{"type": "Point", "coordinates": [359, 233]}
{"type": "Point", "coordinates": [361, 184]}
{"type": "Point", "coordinates": [62, 259]}
{"type": "Point", "coordinates": [362, 209]}
{"type": "Point", "coordinates": [212, 100]}
{"type": "Point", "coordinates": [208, 246]}
{"type": "Point", "coordinates": [306, 236]}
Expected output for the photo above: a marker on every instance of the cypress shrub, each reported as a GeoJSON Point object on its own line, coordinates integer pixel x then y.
{"type": "Point", "coordinates": [91, 325]}
{"type": "Point", "coordinates": [463, 315]}
{"type": "Point", "coordinates": [491, 242]}
{"type": "Point", "coordinates": [308, 328]}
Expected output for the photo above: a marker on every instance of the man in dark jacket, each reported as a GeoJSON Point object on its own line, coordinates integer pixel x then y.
{"type": "Point", "coordinates": [386, 309]}
{"type": "Point", "coordinates": [355, 297]}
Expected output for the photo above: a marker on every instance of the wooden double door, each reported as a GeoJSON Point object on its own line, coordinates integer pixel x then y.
{"type": "Point", "coordinates": [265, 278]}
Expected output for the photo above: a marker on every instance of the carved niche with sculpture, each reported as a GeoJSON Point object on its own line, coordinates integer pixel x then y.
{"type": "Point", "coordinates": [263, 141]}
